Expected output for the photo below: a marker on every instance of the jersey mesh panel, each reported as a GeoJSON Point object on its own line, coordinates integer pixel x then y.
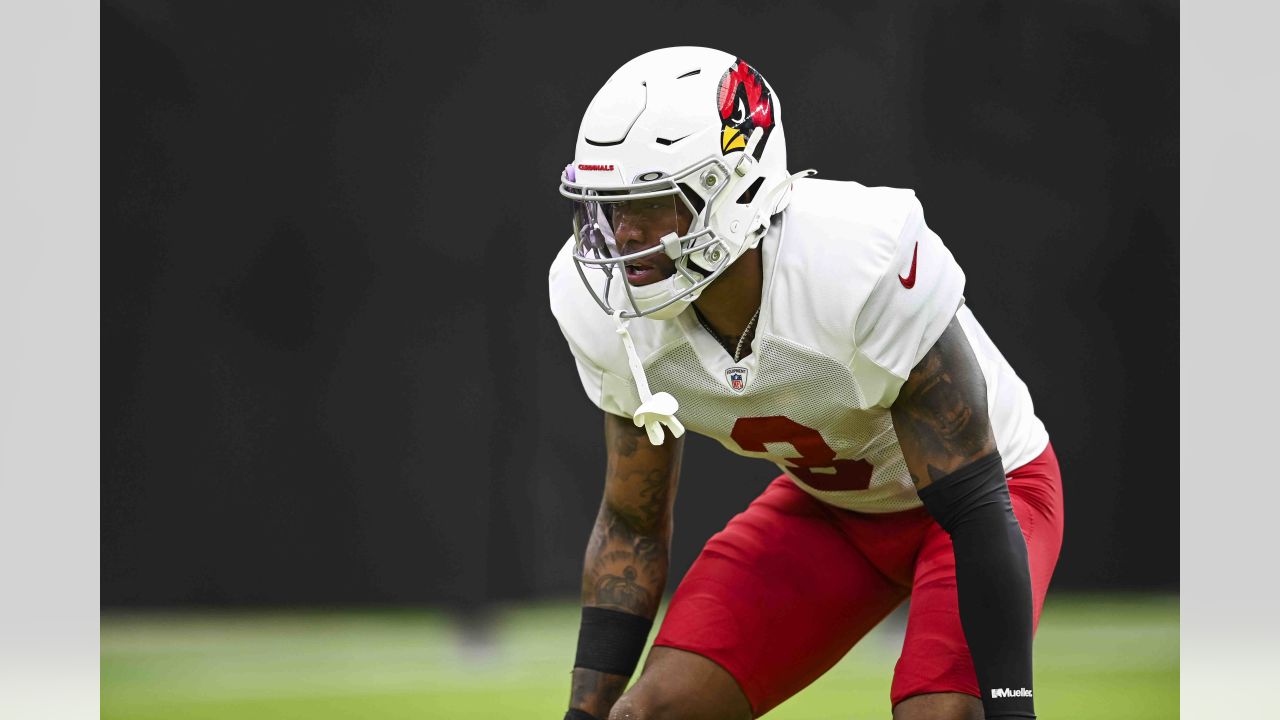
{"type": "Point", "coordinates": [807, 387]}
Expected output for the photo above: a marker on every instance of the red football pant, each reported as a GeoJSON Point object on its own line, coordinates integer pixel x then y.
{"type": "Point", "coordinates": [791, 584]}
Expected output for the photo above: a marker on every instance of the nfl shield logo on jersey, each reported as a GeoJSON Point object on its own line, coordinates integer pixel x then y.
{"type": "Point", "coordinates": [737, 378]}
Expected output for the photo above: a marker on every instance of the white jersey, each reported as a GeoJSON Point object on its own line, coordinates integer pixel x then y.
{"type": "Point", "coordinates": [856, 290]}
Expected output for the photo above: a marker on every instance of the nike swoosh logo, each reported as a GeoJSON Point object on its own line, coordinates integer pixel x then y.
{"type": "Point", "coordinates": [909, 281]}
{"type": "Point", "coordinates": [664, 141]}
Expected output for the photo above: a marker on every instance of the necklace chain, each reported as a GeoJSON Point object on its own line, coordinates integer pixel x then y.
{"type": "Point", "coordinates": [737, 352]}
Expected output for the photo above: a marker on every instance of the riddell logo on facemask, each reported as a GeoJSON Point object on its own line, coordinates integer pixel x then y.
{"type": "Point", "coordinates": [601, 168]}
{"type": "Point", "coordinates": [1006, 692]}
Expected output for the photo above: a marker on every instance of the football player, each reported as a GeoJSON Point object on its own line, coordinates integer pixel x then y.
{"type": "Point", "coordinates": [818, 325]}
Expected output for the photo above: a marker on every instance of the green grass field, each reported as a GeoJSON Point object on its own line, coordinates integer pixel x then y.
{"type": "Point", "coordinates": [1097, 656]}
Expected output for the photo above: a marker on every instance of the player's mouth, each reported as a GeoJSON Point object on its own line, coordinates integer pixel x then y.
{"type": "Point", "coordinates": [644, 273]}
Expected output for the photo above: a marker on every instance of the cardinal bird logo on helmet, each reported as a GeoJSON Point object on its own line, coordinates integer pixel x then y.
{"type": "Point", "coordinates": [745, 104]}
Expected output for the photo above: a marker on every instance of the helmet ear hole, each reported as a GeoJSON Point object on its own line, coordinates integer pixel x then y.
{"type": "Point", "coordinates": [693, 265]}
{"type": "Point", "coordinates": [694, 198]}
{"type": "Point", "coordinates": [749, 194]}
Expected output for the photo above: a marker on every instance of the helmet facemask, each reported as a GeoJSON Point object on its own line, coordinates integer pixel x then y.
{"type": "Point", "coordinates": [724, 223]}
{"type": "Point", "coordinates": [692, 246]}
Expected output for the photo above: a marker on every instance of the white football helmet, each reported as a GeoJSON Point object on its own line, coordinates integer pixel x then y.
{"type": "Point", "coordinates": [693, 124]}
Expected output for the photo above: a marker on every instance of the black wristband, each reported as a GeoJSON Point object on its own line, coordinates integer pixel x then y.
{"type": "Point", "coordinates": [611, 641]}
{"type": "Point", "coordinates": [576, 714]}
{"type": "Point", "coordinates": [993, 581]}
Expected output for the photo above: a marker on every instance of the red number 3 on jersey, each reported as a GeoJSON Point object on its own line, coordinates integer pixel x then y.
{"type": "Point", "coordinates": [817, 465]}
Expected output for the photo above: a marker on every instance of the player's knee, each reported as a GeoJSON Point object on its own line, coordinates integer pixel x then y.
{"type": "Point", "coordinates": [648, 703]}
{"type": "Point", "coordinates": [939, 706]}
{"type": "Point", "coordinates": [638, 704]}
{"type": "Point", "coordinates": [625, 708]}
{"type": "Point", "coordinates": [630, 707]}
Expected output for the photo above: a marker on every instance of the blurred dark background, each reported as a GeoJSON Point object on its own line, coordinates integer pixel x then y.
{"type": "Point", "coordinates": [329, 370]}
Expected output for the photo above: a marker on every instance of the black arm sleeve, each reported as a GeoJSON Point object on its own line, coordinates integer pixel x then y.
{"type": "Point", "coordinates": [993, 582]}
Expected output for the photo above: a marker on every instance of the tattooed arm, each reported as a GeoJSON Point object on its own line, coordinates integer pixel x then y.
{"type": "Point", "coordinates": [940, 415]}
{"type": "Point", "coordinates": [626, 562]}
{"type": "Point", "coordinates": [941, 420]}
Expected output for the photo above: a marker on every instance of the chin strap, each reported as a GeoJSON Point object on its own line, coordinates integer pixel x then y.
{"type": "Point", "coordinates": [655, 410]}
